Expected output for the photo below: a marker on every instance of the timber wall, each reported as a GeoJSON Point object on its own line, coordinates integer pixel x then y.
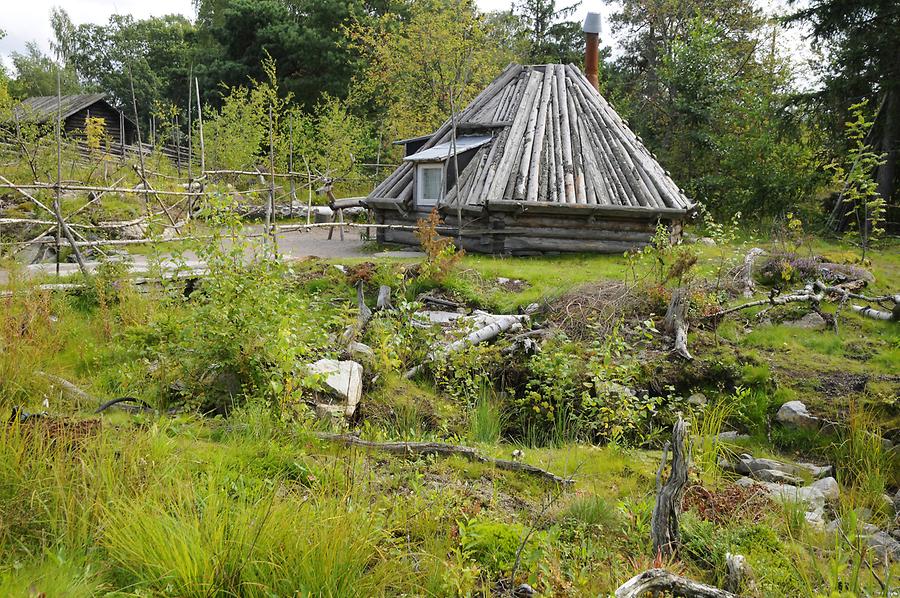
{"type": "Point", "coordinates": [512, 233]}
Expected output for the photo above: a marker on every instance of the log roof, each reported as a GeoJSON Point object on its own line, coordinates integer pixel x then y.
{"type": "Point", "coordinates": [554, 140]}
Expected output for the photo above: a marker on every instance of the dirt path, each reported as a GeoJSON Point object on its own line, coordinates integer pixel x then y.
{"type": "Point", "coordinates": [291, 245]}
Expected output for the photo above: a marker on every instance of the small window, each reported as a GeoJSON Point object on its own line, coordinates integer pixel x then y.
{"type": "Point", "coordinates": [430, 184]}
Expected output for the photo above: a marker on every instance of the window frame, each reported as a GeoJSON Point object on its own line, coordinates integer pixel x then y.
{"type": "Point", "coordinates": [421, 169]}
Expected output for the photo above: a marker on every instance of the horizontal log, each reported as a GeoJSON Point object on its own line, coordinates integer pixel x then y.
{"type": "Point", "coordinates": [421, 449]}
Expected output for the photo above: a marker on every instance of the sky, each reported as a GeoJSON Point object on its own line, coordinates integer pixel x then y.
{"type": "Point", "coordinates": [29, 20]}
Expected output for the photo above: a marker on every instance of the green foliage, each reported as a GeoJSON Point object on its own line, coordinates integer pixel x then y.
{"type": "Point", "coordinates": [866, 468]}
{"type": "Point", "coordinates": [419, 67]}
{"type": "Point", "coordinates": [494, 545]}
{"type": "Point", "coordinates": [858, 187]}
{"type": "Point", "coordinates": [595, 511]}
{"type": "Point", "coordinates": [487, 418]}
{"type": "Point", "coordinates": [36, 75]}
{"type": "Point", "coordinates": [465, 375]}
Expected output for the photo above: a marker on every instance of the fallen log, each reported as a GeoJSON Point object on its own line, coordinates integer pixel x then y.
{"type": "Point", "coordinates": [496, 326]}
{"type": "Point", "coordinates": [422, 449]}
{"type": "Point", "coordinates": [817, 292]}
{"type": "Point", "coordinates": [660, 580]}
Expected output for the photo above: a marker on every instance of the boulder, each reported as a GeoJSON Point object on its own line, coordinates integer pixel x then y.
{"type": "Point", "coordinates": [731, 436]}
{"type": "Point", "coordinates": [794, 413]}
{"type": "Point", "coordinates": [698, 399]}
{"type": "Point", "coordinates": [361, 351]}
{"type": "Point", "coordinates": [811, 321]}
{"type": "Point", "coordinates": [344, 379]}
{"type": "Point", "coordinates": [813, 497]}
{"type": "Point", "coordinates": [838, 273]}
{"type": "Point", "coordinates": [777, 476]}
{"type": "Point", "coordinates": [885, 546]}
{"type": "Point", "coordinates": [708, 241]}
{"type": "Point", "coordinates": [748, 465]}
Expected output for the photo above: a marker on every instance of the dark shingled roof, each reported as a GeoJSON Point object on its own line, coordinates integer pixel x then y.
{"type": "Point", "coordinates": [556, 140]}
{"type": "Point", "coordinates": [44, 108]}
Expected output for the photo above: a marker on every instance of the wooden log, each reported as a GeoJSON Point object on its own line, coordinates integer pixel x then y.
{"type": "Point", "coordinates": [737, 573]}
{"type": "Point", "coordinates": [656, 581]}
{"type": "Point", "coordinates": [557, 184]}
{"type": "Point", "coordinates": [664, 521]}
{"type": "Point", "coordinates": [384, 298]}
{"type": "Point", "coordinates": [422, 449]}
{"type": "Point", "coordinates": [565, 134]}
{"type": "Point", "coordinates": [517, 131]}
{"type": "Point", "coordinates": [531, 172]}
{"type": "Point", "coordinates": [577, 155]}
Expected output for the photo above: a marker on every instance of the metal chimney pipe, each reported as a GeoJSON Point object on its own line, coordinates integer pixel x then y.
{"type": "Point", "coordinates": [591, 30]}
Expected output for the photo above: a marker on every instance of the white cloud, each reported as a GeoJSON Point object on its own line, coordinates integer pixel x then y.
{"type": "Point", "coordinates": [29, 20]}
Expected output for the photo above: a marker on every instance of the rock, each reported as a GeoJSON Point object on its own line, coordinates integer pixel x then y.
{"type": "Point", "coordinates": [524, 590]}
{"type": "Point", "coordinates": [885, 546]}
{"type": "Point", "coordinates": [811, 321]}
{"type": "Point", "coordinates": [816, 471]}
{"type": "Point", "coordinates": [344, 378]}
{"type": "Point", "coordinates": [828, 487]}
{"type": "Point", "coordinates": [774, 475]}
{"type": "Point", "coordinates": [794, 413]}
{"type": "Point", "coordinates": [133, 231]}
{"type": "Point", "coordinates": [708, 241]}
{"type": "Point", "coordinates": [838, 273]}
{"type": "Point", "coordinates": [897, 502]}
{"type": "Point", "coordinates": [786, 473]}
{"type": "Point", "coordinates": [614, 388]}
{"type": "Point", "coordinates": [330, 413]}
{"type": "Point", "coordinates": [361, 351]}
{"type": "Point", "coordinates": [698, 398]}
{"type": "Point", "coordinates": [731, 436]}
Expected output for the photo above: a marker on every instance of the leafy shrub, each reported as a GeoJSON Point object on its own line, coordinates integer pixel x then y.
{"type": "Point", "coordinates": [464, 375]}
{"type": "Point", "coordinates": [441, 255]}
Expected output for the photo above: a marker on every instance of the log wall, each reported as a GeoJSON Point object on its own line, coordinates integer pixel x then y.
{"type": "Point", "coordinates": [510, 233]}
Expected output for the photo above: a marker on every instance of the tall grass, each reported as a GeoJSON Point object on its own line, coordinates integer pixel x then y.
{"type": "Point", "coordinates": [864, 467]}
{"type": "Point", "coordinates": [486, 418]}
{"type": "Point", "coordinates": [708, 448]}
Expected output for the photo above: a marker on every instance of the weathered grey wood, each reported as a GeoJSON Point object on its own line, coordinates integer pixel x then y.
{"type": "Point", "coordinates": [577, 153]}
{"type": "Point", "coordinates": [420, 449]}
{"type": "Point", "coordinates": [507, 163]}
{"type": "Point", "coordinates": [656, 581]}
{"type": "Point", "coordinates": [664, 521]}
{"type": "Point", "coordinates": [557, 184]}
{"type": "Point", "coordinates": [565, 134]}
{"type": "Point", "coordinates": [384, 298]}
{"type": "Point", "coordinates": [538, 135]}
{"type": "Point", "coordinates": [676, 322]}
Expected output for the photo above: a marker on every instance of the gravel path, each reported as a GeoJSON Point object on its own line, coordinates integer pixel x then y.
{"type": "Point", "coordinates": [291, 245]}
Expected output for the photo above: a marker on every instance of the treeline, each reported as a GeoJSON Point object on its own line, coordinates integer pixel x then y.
{"type": "Point", "coordinates": [710, 85]}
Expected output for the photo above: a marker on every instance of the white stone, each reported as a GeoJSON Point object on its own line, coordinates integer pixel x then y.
{"type": "Point", "coordinates": [344, 378]}
{"type": "Point", "coordinates": [732, 435]}
{"type": "Point", "coordinates": [708, 241]}
{"type": "Point", "coordinates": [828, 487]}
{"type": "Point", "coordinates": [698, 398]}
{"type": "Point", "coordinates": [361, 350]}
{"type": "Point", "coordinates": [795, 413]}
{"type": "Point", "coordinates": [811, 321]}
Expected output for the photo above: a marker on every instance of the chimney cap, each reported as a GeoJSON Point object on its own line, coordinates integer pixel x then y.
{"type": "Point", "coordinates": [592, 23]}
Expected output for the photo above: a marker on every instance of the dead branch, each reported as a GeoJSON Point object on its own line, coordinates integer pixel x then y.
{"type": "Point", "coordinates": [384, 298]}
{"type": "Point", "coordinates": [660, 580]}
{"type": "Point", "coordinates": [664, 522]}
{"type": "Point", "coordinates": [422, 449]}
{"type": "Point", "coordinates": [745, 276]}
{"type": "Point", "coordinates": [676, 323]}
